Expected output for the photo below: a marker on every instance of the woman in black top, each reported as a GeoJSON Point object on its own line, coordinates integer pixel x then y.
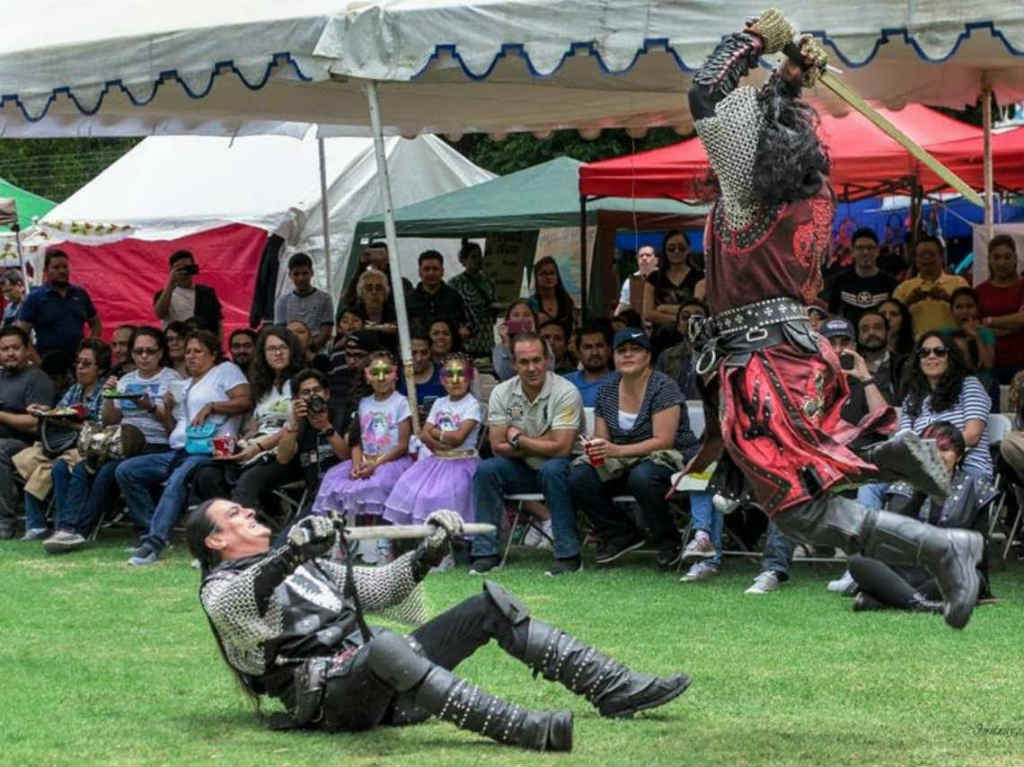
{"type": "Point", "coordinates": [673, 284]}
{"type": "Point", "coordinates": [641, 437]}
{"type": "Point", "coordinates": [550, 297]}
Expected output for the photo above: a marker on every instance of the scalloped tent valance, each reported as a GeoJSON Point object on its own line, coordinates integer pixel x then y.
{"type": "Point", "coordinates": [138, 67]}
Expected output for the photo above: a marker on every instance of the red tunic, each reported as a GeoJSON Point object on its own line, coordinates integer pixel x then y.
{"type": "Point", "coordinates": [780, 412]}
{"type": "Point", "coordinates": [995, 302]}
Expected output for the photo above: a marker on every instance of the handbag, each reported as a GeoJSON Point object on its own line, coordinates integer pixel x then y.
{"type": "Point", "coordinates": [99, 444]}
{"type": "Point", "coordinates": [199, 439]}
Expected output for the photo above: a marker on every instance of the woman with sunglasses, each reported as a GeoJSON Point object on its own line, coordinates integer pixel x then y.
{"type": "Point", "coordinates": [673, 284]}
{"type": "Point", "coordinates": [940, 387]}
{"type": "Point", "coordinates": [143, 407]}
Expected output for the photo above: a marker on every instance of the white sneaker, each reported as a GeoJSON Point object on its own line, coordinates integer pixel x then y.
{"type": "Point", "coordinates": [765, 582]}
{"type": "Point", "coordinates": [537, 539]}
{"type": "Point", "coordinates": [700, 547]}
{"type": "Point", "coordinates": [699, 571]}
{"type": "Point", "coordinates": [841, 584]}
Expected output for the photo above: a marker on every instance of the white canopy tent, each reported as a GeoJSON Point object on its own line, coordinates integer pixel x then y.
{"type": "Point", "coordinates": [129, 67]}
{"type": "Point", "coordinates": [173, 186]}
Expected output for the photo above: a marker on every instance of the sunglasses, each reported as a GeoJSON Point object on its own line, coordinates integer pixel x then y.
{"type": "Point", "coordinates": [927, 351]}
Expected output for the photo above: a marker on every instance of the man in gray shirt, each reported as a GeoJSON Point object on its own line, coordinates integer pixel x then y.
{"type": "Point", "coordinates": [20, 386]}
{"type": "Point", "coordinates": [306, 303]}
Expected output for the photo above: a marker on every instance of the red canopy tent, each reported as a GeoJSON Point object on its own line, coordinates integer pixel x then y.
{"type": "Point", "coordinates": [865, 162]}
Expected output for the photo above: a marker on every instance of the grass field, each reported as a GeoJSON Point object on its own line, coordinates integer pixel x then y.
{"type": "Point", "coordinates": [104, 664]}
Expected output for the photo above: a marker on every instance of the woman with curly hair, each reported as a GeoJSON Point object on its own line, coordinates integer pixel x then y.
{"type": "Point", "coordinates": [940, 387]}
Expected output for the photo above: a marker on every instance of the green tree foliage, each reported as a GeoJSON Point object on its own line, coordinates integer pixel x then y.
{"type": "Point", "coordinates": [56, 168]}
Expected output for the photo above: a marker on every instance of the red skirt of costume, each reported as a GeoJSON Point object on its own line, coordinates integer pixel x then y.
{"type": "Point", "coordinates": [781, 426]}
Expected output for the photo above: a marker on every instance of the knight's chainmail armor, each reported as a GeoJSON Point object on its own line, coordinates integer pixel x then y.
{"type": "Point", "coordinates": [255, 603]}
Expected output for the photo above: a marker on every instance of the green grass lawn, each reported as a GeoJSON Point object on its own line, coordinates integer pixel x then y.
{"type": "Point", "coordinates": [105, 664]}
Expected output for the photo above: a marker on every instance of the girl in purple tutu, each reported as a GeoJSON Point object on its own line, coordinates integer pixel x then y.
{"type": "Point", "coordinates": [442, 477]}
{"type": "Point", "coordinates": [380, 448]}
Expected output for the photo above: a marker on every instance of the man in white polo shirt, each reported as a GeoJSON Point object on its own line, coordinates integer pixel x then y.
{"type": "Point", "coordinates": [534, 418]}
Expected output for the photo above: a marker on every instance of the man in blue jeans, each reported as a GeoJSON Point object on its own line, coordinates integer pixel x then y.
{"type": "Point", "coordinates": [534, 418]}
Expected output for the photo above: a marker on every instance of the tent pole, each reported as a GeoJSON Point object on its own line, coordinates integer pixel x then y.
{"type": "Point", "coordinates": [986, 117]}
{"type": "Point", "coordinates": [325, 215]}
{"type": "Point", "coordinates": [583, 257]}
{"type": "Point", "coordinates": [404, 344]}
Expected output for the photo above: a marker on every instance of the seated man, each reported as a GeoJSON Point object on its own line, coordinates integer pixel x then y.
{"type": "Point", "coordinates": [289, 624]}
{"type": "Point", "coordinates": [242, 345]}
{"type": "Point", "coordinates": [534, 418]}
{"type": "Point", "coordinates": [554, 334]}
{"type": "Point", "coordinates": [20, 386]}
{"type": "Point", "coordinates": [425, 372]}
{"type": "Point", "coordinates": [595, 354]}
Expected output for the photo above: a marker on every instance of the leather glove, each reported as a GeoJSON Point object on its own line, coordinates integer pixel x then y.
{"type": "Point", "coordinates": [773, 29]}
{"type": "Point", "coordinates": [311, 538]}
{"type": "Point", "coordinates": [814, 59]}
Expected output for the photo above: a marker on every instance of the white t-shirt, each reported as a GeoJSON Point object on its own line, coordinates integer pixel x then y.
{"type": "Point", "coordinates": [212, 387]}
{"type": "Point", "coordinates": [271, 412]}
{"type": "Point", "coordinates": [183, 305]}
{"type": "Point", "coordinates": [379, 420]}
{"type": "Point", "coordinates": [155, 386]}
{"type": "Point", "coordinates": [449, 415]}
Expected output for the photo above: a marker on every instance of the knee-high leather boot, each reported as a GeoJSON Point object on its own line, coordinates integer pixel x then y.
{"type": "Point", "coordinates": [908, 458]}
{"type": "Point", "coordinates": [610, 686]}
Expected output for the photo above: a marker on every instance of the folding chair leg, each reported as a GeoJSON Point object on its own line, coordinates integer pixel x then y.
{"type": "Point", "coordinates": [516, 520]}
{"type": "Point", "coordinates": [1016, 522]}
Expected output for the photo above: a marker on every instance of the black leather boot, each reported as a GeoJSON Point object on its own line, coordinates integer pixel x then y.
{"type": "Point", "coordinates": [610, 686]}
{"type": "Point", "coordinates": [864, 602]}
{"type": "Point", "coordinates": [469, 708]}
{"type": "Point", "coordinates": [949, 554]}
{"type": "Point", "coordinates": [908, 458]}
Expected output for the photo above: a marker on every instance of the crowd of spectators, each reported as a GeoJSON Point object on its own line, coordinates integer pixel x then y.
{"type": "Point", "coordinates": [504, 397]}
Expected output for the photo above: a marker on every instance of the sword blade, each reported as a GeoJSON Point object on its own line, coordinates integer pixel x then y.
{"type": "Point", "coordinates": [852, 98]}
{"type": "Point", "coordinates": [397, 532]}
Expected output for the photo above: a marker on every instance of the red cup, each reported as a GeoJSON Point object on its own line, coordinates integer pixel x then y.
{"type": "Point", "coordinates": [595, 460]}
{"type": "Point", "coordinates": [223, 447]}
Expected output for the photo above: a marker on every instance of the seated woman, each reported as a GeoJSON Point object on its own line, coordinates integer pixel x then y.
{"type": "Point", "coordinates": [88, 493]}
{"type": "Point", "coordinates": [642, 436]}
{"type": "Point", "coordinates": [374, 304]}
{"type": "Point", "coordinates": [175, 333]}
{"type": "Point", "coordinates": [901, 328]}
{"type": "Point", "coordinates": [940, 387]}
{"type": "Point", "coordinates": [444, 340]}
{"type": "Point", "coordinates": [977, 343]}
{"type": "Point", "coordinates": [442, 477]}
{"type": "Point", "coordinates": [520, 317]}
{"type": "Point", "coordinates": [912, 588]}
{"type": "Point", "coordinates": [550, 297]}
{"type": "Point", "coordinates": [38, 469]}
{"type": "Point", "coordinates": [217, 393]}
{"type": "Point", "coordinates": [253, 474]}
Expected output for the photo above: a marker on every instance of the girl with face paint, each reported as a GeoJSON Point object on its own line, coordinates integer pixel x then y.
{"type": "Point", "coordinates": [380, 453]}
{"type": "Point", "coordinates": [442, 477]}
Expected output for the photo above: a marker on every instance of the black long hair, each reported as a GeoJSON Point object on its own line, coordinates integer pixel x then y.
{"type": "Point", "coordinates": [566, 306]}
{"type": "Point", "coordinates": [198, 526]}
{"type": "Point", "coordinates": [915, 385]}
{"type": "Point", "coordinates": [261, 376]}
{"type": "Point", "coordinates": [791, 163]}
{"type": "Point", "coordinates": [905, 338]}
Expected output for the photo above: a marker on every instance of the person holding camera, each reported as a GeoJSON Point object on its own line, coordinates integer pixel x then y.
{"type": "Point", "coordinates": [182, 298]}
{"type": "Point", "coordinates": [315, 431]}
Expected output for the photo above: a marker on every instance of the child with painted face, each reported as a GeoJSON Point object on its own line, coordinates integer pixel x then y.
{"type": "Point", "coordinates": [442, 477]}
{"type": "Point", "coordinates": [380, 451]}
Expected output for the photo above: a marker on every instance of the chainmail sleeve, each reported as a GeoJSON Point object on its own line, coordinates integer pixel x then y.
{"type": "Point", "coordinates": [392, 591]}
{"type": "Point", "coordinates": [728, 120]}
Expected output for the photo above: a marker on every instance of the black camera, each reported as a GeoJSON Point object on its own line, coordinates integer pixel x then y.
{"type": "Point", "coordinates": [316, 404]}
{"type": "Point", "coordinates": [192, 269]}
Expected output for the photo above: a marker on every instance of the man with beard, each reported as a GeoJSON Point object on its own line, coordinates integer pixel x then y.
{"type": "Point", "coordinates": [778, 389]}
{"type": "Point", "coordinates": [57, 310]}
{"type": "Point", "coordinates": [242, 345]}
{"type": "Point", "coordinates": [595, 354]}
{"type": "Point", "coordinates": [884, 366]}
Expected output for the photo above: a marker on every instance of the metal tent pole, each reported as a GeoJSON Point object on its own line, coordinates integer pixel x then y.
{"type": "Point", "coordinates": [325, 215]}
{"type": "Point", "coordinates": [986, 117]}
{"type": "Point", "coordinates": [391, 236]}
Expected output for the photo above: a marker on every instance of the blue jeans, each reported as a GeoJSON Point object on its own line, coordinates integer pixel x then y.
{"type": "Point", "coordinates": [704, 516]}
{"type": "Point", "coordinates": [500, 476]}
{"type": "Point", "coordinates": [136, 475]}
{"type": "Point", "coordinates": [778, 552]}
{"type": "Point", "coordinates": [872, 495]}
{"type": "Point", "coordinates": [35, 511]}
{"type": "Point", "coordinates": [646, 481]}
{"type": "Point", "coordinates": [87, 495]}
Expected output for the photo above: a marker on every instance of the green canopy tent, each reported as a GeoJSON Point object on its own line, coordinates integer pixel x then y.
{"type": "Point", "coordinates": [30, 205]}
{"type": "Point", "coordinates": [545, 196]}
